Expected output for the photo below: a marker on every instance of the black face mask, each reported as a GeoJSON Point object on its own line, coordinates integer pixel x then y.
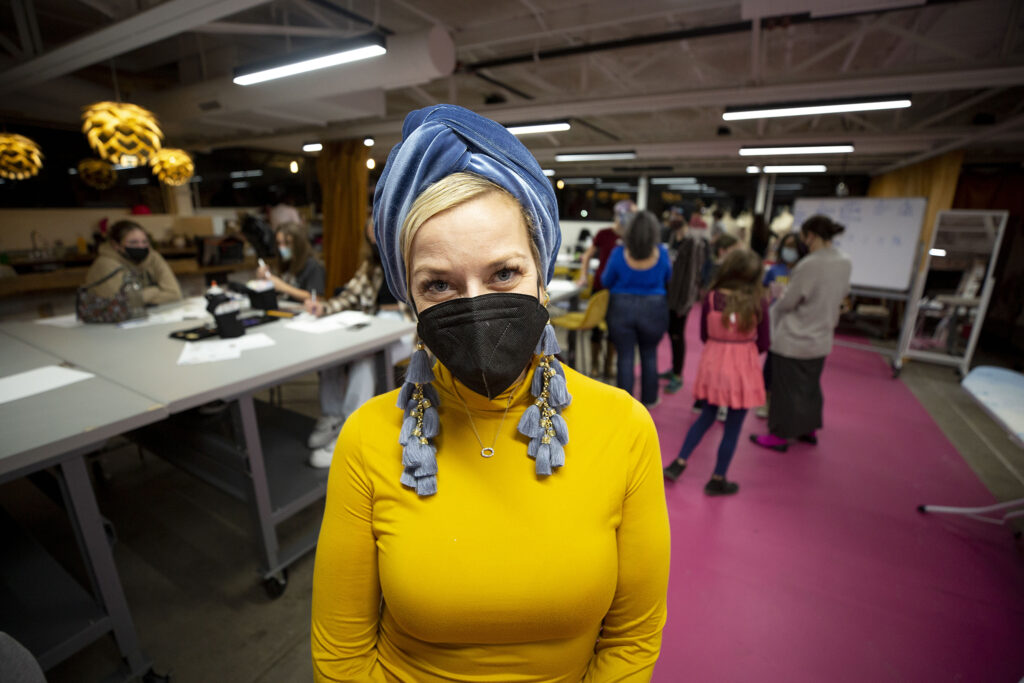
{"type": "Point", "coordinates": [485, 341]}
{"type": "Point", "coordinates": [136, 254]}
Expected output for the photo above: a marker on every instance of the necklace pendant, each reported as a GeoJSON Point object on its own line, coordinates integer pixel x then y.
{"type": "Point", "coordinates": [486, 452]}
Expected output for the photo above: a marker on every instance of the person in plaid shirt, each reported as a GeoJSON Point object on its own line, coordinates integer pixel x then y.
{"type": "Point", "coordinates": [344, 388]}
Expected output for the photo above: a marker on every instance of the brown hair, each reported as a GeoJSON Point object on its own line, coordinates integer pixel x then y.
{"type": "Point", "coordinates": [822, 226]}
{"type": "Point", "coordinates": [119, 230]}
{"type": "Point", "coordinates": [301, 250]}
{"type": "Point", "coordinates": [722, 242]}
{"type": "Point", "coordinates": [740, 277]}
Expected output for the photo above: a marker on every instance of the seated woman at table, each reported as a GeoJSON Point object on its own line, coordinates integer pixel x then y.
{"type": "Point", "coordinates": [343, 388]}
{"type": "Point", "coordinates": [466, 537]}
{"type": "Point", "coordinates": [127, 248]}
{"type": "Point", "coordinates": [302, 274]}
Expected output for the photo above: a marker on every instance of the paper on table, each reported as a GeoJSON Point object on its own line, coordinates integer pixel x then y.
{"type": "Point", "coordinates": [221, 349]}
{"type": "Point", "coordinates": [69, 320]}
{"type": "Point", "coordinates": [331, 323]}
{"type": "Point", "coordinates": [37, 381]}
{"type": "Point", "coordinates": [189, 309]}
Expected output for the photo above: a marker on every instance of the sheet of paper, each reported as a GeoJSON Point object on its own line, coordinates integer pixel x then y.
{"type": "Point", "coordinates": [207, 352]}
{"type": "Point", "coordinates": [561, 287]}
{"type": "Point", "coordinates": [215, 350]}
{"type": "Point", "coordinates": [189, 309]}
{"type": "Point", "coordinates": [69, 320]}
{"type": "Point", "coordinates": [37, 381]}
{"type": "Point", "coordinates": [330, 323]}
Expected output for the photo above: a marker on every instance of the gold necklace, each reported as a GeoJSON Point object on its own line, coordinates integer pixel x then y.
{"type": "Point", "coordinates": [486, 451]}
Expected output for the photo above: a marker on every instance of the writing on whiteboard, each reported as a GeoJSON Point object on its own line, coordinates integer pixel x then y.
{"type": "Point", "coordinates": [881, 236]}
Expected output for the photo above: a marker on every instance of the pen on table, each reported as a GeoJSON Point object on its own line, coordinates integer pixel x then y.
{"type": "Point", "coordinates": [314, 298]}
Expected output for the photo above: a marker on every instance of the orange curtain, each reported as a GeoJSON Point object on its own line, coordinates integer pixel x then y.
{"type": "Point", "coordinates": [344, 179]}
{"type": "Point", "coordinates": [934, 179]}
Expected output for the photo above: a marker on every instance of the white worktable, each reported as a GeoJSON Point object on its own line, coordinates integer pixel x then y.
{"type": "Point", "coordinates": [56, 428]}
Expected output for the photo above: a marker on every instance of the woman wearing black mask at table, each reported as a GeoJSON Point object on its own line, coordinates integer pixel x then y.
{"type": "Point", "coordinates": [127, 247]}
{"type": "Point", "coordinates": [466, 536]}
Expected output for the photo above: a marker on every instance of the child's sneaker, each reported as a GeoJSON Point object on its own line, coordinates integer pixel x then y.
{"type": "Point", "coordinates": [723, 412]}
{"type": "Point", "coordinates": [675, 383]}
{"type": "Point", "coordinates": [721, 487]}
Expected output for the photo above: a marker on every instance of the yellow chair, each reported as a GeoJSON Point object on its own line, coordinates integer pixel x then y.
{"type": "Point", "coordinates": [593, 316]}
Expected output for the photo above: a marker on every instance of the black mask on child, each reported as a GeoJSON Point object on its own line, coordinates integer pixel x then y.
{"type": "Point", "coordinates": [136, 254]}
{"type": "Point", "coordinates": [485, 341]}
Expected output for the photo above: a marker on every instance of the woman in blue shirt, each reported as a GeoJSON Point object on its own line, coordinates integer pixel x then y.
{"type": "Point", "coordinates": [637, 278]}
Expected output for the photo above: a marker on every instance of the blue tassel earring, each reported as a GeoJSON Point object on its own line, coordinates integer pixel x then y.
{"type": "Point", "coordinates": [419, 400]}
{"type": "Point", "coordinates": [542, 422]}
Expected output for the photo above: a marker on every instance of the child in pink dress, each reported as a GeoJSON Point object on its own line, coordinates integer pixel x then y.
{"type": "Point", "coordinates": [734, 328]}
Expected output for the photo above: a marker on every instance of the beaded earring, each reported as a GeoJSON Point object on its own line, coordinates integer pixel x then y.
{"type": "Point", "coordinates": [542, 421]}
{"type": "Point", "coordinates": [419, 399]}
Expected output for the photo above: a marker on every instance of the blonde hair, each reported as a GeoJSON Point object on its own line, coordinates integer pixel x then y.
{"type": "Point", "coordinates": [450, 192]}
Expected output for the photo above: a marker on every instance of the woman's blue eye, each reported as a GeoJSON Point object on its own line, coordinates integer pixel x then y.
{"type": "Point", "coordinates": [504, 275]}
{"type": "Point", "coordinates": [437, 286]}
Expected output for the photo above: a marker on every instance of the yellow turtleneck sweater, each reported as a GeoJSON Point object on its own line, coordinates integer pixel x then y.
{"type": "Point", "coordinates": [502, 575]}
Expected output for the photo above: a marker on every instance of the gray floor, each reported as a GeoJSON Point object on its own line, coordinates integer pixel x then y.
{"type": "Point", "coordinates": [188, 563]}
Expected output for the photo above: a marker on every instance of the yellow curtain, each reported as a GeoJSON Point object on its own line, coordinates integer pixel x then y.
{"type": "Point", "coordinates": [344, 178]}
{"type": "Point", "coordinates": [934, 179]}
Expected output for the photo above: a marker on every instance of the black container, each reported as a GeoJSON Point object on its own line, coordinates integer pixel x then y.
{"type": "Point", "coordinates": [263, 301]}
{"type": "Point", "coordinates": [229, 325]}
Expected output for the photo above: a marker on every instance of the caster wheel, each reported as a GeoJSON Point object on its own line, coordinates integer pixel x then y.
{"type": "Point", "coordinates": [274, 586]}
{"type": "Point", "coordinates": [921, 509]}
{"type": "Point", "coordinates": [896, 371]}
{"type": "Point", "coordinates": [153, 677]}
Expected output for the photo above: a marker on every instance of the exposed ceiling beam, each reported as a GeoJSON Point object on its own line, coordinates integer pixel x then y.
{"type": "Point", "coordinates": [569, 18]}
{"type": "Point", "coordinates": [102, 6]}
{"type": "Point", "coordinates": [713, 97]}
{"type": "Point", "coordinates": [237, 28]}
{"type": "Point", "coordinates": [946, 112]}
{"type": "Point", "coordinates": [931, 81]}
{"type": "Point", "coordinates": [167, 19]}
{"type": "Point", "coordinates": [990, 132]}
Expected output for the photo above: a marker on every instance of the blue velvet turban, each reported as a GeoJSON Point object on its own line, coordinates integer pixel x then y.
{"type": "Point", "coordinates": [445, 139]}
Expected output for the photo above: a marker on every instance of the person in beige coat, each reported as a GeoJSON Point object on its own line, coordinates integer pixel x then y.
{"type": "Point", "coordinates": [128, 247]}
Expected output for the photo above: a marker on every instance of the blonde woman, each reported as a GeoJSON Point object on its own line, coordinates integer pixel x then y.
{"type": "Point", "coordinates": [487, 521]}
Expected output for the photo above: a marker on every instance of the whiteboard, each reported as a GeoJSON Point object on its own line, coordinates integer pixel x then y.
{"type": "Point", "coordinates": [881, 236]}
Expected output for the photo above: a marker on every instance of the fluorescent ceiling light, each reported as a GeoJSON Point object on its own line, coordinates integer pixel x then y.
{"type": "Point", "coordinates": [595, 156]}
{"type": "Point", "coordinates": [673, 181]}
{"type": "Point", "coordinates": [937, 252]}
{"type": "Point", "coordinates": [549, 172]}
{"type": "Point", "coordinates": [138, 181]}
{"type": "Point", "coordinates": [753, 169]}
{"type": "Point", "coordinates": [312, 147]}
{"type": "Point", "coordinates": [530, 128]}
{"type": "Point", "coordinates": [799, 149]}
{"type": "Point", "coordinates": [356, 51]}
{"type": "Point", "coordinates": [814, 108]}
{"type": "Point", "coordinates": [689, 187]}
{"type": "Point", "coordinates": [255, 173]}
{"type": "Point", "coordinates": [788, 187]}
{"type": "Point", "coordinates": [581, 181]}
{"type": "Point", "coordinates": [240, 184]}
{"type": "Point", "coordinates": [807, 168]}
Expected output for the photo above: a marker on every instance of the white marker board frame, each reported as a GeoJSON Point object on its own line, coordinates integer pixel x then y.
{"type": "Point", "coordinates": [881, 237]}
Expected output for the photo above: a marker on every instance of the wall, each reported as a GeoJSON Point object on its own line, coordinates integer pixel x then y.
{"type": "Point", "coordinates": [67, 225]}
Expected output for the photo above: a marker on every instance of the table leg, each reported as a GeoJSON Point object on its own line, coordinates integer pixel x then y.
{"type": "Point", "coordinates": [247, 426]}
{"type": "Point", "coordinates": [88, 525]}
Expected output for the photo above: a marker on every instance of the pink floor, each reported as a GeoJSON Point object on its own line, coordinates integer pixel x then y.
{"type": "Point", "coordinates": [821, 569]}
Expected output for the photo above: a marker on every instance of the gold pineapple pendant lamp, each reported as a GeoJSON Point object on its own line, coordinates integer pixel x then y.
{"type": "Point", "coordinates": [97, 173]}
{"type": "Point", "coordinates": [20, 157]}
{"type": "Point", "coordinates": [173, 166]}
{"type": "Point", "coordinates": [122, 133]}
